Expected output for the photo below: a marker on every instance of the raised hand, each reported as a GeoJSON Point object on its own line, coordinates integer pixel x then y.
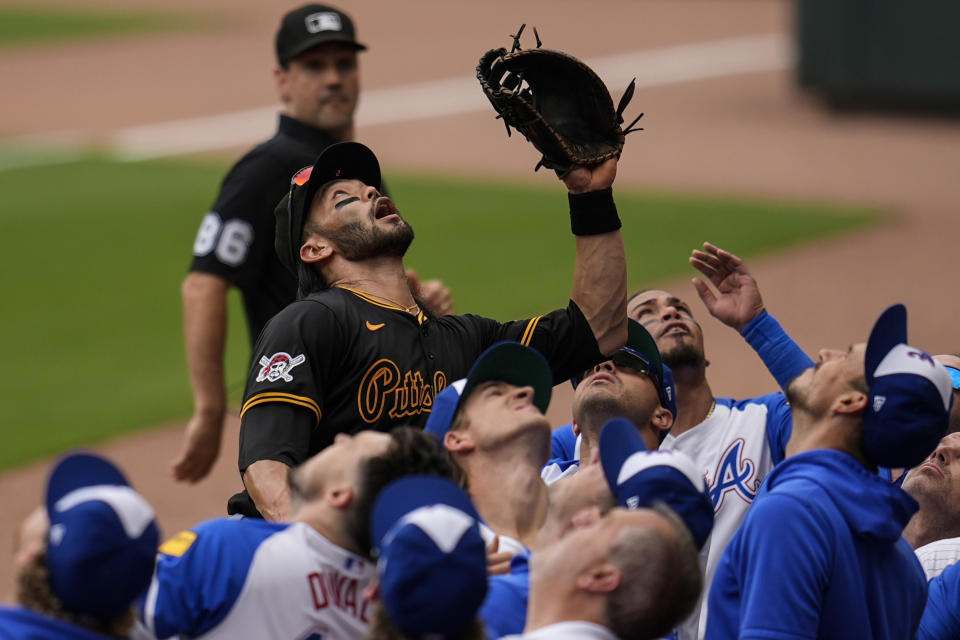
{"type": "Point", "coordinates": [737, 300]}
{"type": "Point", "coordinates": [593, 178]}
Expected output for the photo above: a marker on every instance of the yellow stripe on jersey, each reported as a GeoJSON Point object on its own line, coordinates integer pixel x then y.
{"type": "Point", "coordinates": [178, 544]}
{"type": "Point", "coordinates": [528, 333]}
{"type": "Point", "coordinates": [276, 396]}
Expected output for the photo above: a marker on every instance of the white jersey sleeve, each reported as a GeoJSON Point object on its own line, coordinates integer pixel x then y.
{"type": "Point", "coordinates": [938, 555]}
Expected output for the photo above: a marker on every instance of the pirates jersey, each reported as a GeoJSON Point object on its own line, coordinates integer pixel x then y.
{"type": "Point", "coordinates": [348, 362]}
{"type": "Point", "coordinates": [246, 578]}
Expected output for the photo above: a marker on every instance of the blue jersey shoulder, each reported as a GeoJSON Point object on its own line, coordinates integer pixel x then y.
{"type": "Point", "coordinates": [201, 572]}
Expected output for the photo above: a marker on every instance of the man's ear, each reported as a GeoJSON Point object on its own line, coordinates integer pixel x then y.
{"type": "Point", "coordinates": [459, 441]}
{"type": "Point", "coordinates": [282, 79]}
{"type": "Point", "coordinates": [603, 578]}
{"type": "Point", "coordinates": [340, 497]}
{"type": "Point", "coordinates": [662, 419]}
{"type": "Point", "coordinates": [576, 429]}
{"type": "Point", "coordinates": [850, 402]}
{"type": "Point", "coordinates": [315, 249]}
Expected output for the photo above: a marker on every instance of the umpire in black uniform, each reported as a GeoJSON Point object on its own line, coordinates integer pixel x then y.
{"type": "Point", "coordinates": [317, 79]}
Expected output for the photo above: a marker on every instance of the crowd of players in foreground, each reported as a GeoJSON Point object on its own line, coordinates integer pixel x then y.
{"type": "Point", "coordinates": [402, 481]}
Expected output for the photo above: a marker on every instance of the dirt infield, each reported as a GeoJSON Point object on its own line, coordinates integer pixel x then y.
{"type": "Point", "coordinates": [750, 134]}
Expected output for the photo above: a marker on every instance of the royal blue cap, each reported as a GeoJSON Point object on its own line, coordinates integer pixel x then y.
{"type": "Point", "coordinates": [639, 478]}
{"type": "Point", "coordinates": [103, 536]}
{"type": "Point", "coordinates": [910, 396]}
{"type": "Point", "coordinates": [506, 361]}
{"type": "Point", "coordinates": [432, 561]}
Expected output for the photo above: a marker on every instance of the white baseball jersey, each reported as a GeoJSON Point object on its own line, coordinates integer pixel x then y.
{"type": "Point", "coordinates": [938, 555]}
{"type": "Point", "coordinates": [250, 578]}
{"type": "Point", "coordinates": [737, 446]}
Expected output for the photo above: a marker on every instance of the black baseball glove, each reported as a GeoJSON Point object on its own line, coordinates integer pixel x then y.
{"type": "Point", "coordinates": [557, 102]}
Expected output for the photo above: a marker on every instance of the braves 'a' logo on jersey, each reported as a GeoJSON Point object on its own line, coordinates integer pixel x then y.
{"type": "Point", "coordinates": [278, 366]}
{"type": "Point", "coordinates": [734, 474]}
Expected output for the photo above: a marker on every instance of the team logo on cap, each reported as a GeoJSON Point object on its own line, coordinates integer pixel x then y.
{"type": "Point", "coordinates": [323, 21]}
{"type": "Point", "coordinates": [278, 366]}
{"type": "Point", "coordinates": [878, 402]}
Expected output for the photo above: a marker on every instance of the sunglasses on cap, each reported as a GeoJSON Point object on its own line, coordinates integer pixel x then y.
{"type": "Point", "coordinates": [627, 358]}
{"type": "Point", "coordinates": [954, 377]}
{"type": "Point", "coordinates": [300, 178]}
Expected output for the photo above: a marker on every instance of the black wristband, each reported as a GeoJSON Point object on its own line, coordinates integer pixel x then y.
{"type": "Point", "coordinates": [593, 212]}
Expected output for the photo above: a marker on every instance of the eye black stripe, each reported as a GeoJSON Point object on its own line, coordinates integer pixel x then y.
{"type": "Point", "coordinates": [345, 202]}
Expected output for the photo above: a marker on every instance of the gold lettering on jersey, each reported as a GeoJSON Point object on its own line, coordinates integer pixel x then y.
{"type": "Point", "coordinates": [401, 395]}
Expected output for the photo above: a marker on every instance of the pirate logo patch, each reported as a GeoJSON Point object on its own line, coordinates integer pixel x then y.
{"type": "Point", "coordinates": [278, 366]}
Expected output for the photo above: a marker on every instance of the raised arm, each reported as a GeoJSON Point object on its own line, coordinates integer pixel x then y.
{"type": "Point", "coordinates": [737, 304]}
{"type": "Point", "coordinates": [600, 270]}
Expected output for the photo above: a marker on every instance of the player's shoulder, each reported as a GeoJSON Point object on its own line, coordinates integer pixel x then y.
{"type": "Point", "coordinates": [322, 305]}
{"type": "Point", "coordinates": [769, 401]}
{"type": "Point", "coordinates": [223, 537]}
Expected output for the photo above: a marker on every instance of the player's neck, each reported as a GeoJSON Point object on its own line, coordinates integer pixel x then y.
{"type": "Point", "coordinates": [382, 278]}
{"type": "Point", "coordinates": [695, 402]}
{"type": "Point", "coordinates": [930, 524]}
{"type": "Point", "coordinates": [552, 602]}
{"type": "Point", "coordinates": [511, 499]}
{"type": "Point", "coordinates": [328, 524]}
{"type": "Point", "coordinates": [839, 433]}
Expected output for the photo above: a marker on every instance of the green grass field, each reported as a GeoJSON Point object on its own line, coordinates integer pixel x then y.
{"type": "Point", "coordinates": [29, 24]}
{"type": "Point", "coordinates": [93, 253]}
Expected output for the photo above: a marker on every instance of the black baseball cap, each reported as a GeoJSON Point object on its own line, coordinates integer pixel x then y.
{"type": "Point", "coordinates": [311, 25]}
{"type": "Point", "coordinates": [341, 161]}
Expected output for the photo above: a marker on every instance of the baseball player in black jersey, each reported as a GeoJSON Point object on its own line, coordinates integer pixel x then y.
{"type": "Point", "coordinates": [318, 82]}
{"type": "Point", "coordinates": [357, 351]}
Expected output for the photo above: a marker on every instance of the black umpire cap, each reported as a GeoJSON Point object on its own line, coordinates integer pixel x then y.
{"type": "Point", "coordinates": [341, 161]}
{"type": "Point", "coordinates": [311, 25]}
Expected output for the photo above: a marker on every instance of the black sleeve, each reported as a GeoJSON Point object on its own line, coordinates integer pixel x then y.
{"type": "Point", "coordinates": [293, 360]}
{"type": "Point", "coordinates": [275, 431]}
{"type": "Point", "coordinates": [564, 337]}
{"type": "Point", "coordinates": [235, 238]}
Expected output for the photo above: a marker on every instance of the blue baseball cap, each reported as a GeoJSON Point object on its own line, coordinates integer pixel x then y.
{"type": "Point", "coordinates": [431, 559]}
{"type": "Point", "coordinates": [639, 478]}
{"type": "Point", "coordinates": [506, 361]}
{"type": "Point", "coordinates": [641, 353]}
{"type": "Point", "coordinates": [103, 536]}
{"type": "Point", "coordinates": [910, 396]}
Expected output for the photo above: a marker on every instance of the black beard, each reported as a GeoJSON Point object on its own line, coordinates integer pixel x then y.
{"type": "Point", "coordinates": [685, 355]}
{"type": "Point", "coordinates": [357, 242]}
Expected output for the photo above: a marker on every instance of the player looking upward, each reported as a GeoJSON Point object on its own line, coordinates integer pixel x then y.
{"type": "Point", "coordinates": [358, 351]}
{"type": "Point", "coordinates": [820, 554]}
